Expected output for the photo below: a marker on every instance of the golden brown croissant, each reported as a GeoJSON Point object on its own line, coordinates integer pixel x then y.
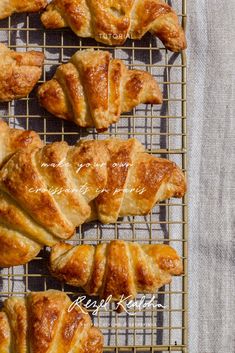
{"type": "Point", "coordinates": [12, 140]}
{"type": "Point", "coordinates": [116, 269]}
{"type": "Point", "coordinates": [93, 90]}
{"type": "Point", "coordinates": [112, 22]}
{"type": "Point", "coordinates": [43, 322]}
{"type": "Point", "coordinates": [47, 192]}
{"type": "Point", "coordinates": [8, 7]}
{"type": "Point", "coordinates": [19, 72]}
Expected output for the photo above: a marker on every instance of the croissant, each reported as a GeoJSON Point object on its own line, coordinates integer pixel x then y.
{"type": "Point", "coordinates": [43, 322]}
{"type": "Point", "coordinates": [8, 7]}
{"type": "Point", "coordinates": [93, 90]}
{"type": "Point", "coordinates": [12, 140]}
{"type": "Point", "coordinates": [19, 72]}
{"type": "Point", "coordinates": [47, 192]}
{"type": "Point", "coordinates": [116, 269]}
{"type": "Point", "coordinates": [112, 22]}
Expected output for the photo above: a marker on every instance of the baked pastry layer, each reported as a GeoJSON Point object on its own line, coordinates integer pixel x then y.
{"type": "Point", "coordinates": [92, 90]}
{"type": "Point", "coordinates": [118, 269]}
{"type": "Point", "coordinates": [112, 21]}
{"type": "Point", "coordinates": [19, 72]}
{"type": "Point", "coordinates": [8, 7]}
{"type": "Point", "coordinates": [47, 191]}
{"type": "Point", "coordinates": [42, 322]}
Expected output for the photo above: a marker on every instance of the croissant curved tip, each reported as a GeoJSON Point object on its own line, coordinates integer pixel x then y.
{"type": "Point", "coordinates": [15, 255]}
{"type": "Point", "coordinates": [177, 47]}
{"type": "Point", "coordinates": [167, 258]}
{"type": "Point", "coordinates": [178, 180]}
{"type": "Point", "coordinates": [59, 249]}
{"type": "Point", "coordinates": [95, 341]}
{"type": "Point", "coordinates": [19, 73]}
{"type": "Point", "coordinates": [178, 42]}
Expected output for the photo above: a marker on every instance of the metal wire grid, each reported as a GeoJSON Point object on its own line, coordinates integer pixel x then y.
{"type": "Point", "coordinates": [162, 129]}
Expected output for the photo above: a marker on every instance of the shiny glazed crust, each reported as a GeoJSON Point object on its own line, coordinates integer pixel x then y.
{"type": "Point", "coordinates": [92, 90]}
{"type": "Point", "coordinates": [46, 192]}
{"type": "Point", "coordinates": [8, 7]}
{"type": "Point", "coordinates": [112, 22]}
{"type": "Point", "coordinates": [118, 268]}
{"type": "Point", "coordinates": [42, 323]}
{"type": "Point", "coordinates": [12, 140]}
{"type": "Point", "coordinates": [19, 72]}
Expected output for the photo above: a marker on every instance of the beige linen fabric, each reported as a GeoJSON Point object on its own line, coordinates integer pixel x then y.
{"type": "Point", "coordinates": [211, 144]}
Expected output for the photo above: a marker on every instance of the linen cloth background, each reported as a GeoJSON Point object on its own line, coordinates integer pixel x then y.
{"type": "Point", "coordinates": [211, 144]}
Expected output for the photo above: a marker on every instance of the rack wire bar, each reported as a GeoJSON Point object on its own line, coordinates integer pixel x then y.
{"type": "Point", "coordinates": [162, 130]}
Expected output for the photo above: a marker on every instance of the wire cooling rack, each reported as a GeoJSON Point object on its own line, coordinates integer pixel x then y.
{"type": "Point", "coordinates": [162, 129]}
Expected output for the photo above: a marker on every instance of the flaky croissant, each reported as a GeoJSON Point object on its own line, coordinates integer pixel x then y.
{"type": "Point", "coordinates": [116, 269]}
{"type": "Point", "coordinates": [112, 22]}
{"type": "Point", "coordinates": [12, 140]}
{"type": "Point", "coordinates": [47, 192]}
{"type": "Point", "coordinates": [19, 72]}
{"type": "Point", "coordinates": [8, 7]}
{"type": "Point", "coordinates": [93, 90]}
{"type": "Point", "coordinates": [43, 322]}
